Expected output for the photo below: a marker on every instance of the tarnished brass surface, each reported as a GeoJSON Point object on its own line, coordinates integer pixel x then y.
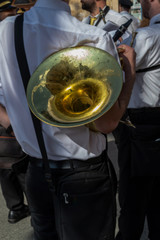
{"type": "Point", "coordinates": [74, 86]}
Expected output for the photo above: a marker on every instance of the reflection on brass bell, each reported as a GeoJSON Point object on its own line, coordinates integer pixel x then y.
{"type": "Point", "coordinates": [74, 86]}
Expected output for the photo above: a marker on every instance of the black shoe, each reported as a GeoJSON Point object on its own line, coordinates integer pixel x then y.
{"type": "Point", "coordinates": [15, 216]}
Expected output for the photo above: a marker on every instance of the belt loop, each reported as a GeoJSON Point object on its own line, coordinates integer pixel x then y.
{"type": "Point", "coordinates": [71, 164]}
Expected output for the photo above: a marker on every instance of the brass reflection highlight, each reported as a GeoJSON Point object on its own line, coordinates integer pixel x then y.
{"type": "Point", "coordinates": [74, 99]}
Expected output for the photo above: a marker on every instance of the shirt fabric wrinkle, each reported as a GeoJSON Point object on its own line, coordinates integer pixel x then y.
{"type": "Point", "coordinates": [146, 46]}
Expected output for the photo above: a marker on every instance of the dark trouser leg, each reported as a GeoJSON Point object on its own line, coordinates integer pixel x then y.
{"type": "Point", "coordinates": [22, 181]}
{"type": "Point", "coordinates": [41, 205]}
{"type": "Point", "coordinates": [133, 204]}
{"type": "Point", "coordinates": [153, 212]}
{"type": "Point", "coordinates": [131, 213]}
{"type": "Point", "coordinates": [11, 189]}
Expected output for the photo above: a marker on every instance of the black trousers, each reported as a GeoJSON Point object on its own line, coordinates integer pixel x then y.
{"type": "Point", "coordinates": [81, 207]}
{"type": "Point", "coordinates": [139, 163]}
{"type": "Point", "coordinates": [140, 199]}
{"type": "Point", "coordinates": [13, 188]}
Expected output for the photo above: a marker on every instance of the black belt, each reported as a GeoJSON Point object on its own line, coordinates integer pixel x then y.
{"type": "Point", "coordinates": [145, 116]}
{"type": "Point", "coordinates": [69, 164]}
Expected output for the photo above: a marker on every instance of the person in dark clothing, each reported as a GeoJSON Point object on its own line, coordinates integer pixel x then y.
{"type": "Point", "coordinates": [12, 169]}
{"type": "Point", "coordinates": [139, 144]}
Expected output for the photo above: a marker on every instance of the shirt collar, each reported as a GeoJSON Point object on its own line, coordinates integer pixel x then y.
{"type": "Point", "coordinates": [53, 4]}
{"type": "Point", "coordinates": [124, 12]}
{"type": "Point", "coordinates": [98, 13]}
{"type": "Point", "coordinates": [154, 19]}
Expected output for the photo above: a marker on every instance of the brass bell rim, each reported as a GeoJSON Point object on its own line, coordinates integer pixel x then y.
{"type": "Point", "coordinates": [42, 68]}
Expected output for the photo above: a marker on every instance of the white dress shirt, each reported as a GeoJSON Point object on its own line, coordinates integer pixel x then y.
{"type": "Point", "coordinates": [112, 16]}
{"type": "Point", "coordinates": [146, 90]}
{"type": "Point", "coordinates": [48, 27]}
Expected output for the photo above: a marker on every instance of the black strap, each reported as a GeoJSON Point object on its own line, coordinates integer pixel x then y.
{"type": "Point", "coordinates": [25, 74]}
{"type": "Point", "coordinates": [148, 69]}
{"type": "Point", "coordinates": [102, 14]}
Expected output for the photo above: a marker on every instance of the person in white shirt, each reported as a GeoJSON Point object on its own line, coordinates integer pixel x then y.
{"type": "Point", "coordinates": [12, 182]}
{"type": "Point", "coordinates": [125, 10]}
{"type": "Point", "coordinates": [139, 146]}
{"type": "Point", "coordinates": [102, 16]}
{"type": "Point", "coordinates": [76, 209]}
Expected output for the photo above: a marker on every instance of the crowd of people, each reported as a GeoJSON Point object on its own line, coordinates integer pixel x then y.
{"type": "Point", "coordinates": [70, 183]}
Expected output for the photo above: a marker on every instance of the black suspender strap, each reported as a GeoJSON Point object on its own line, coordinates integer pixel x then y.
{"type": "Point", "coordinates": [20, 51]}
{"type": "Point", "coordinates": [148, 69]}
{"type": "Point", "coordinates": [102, 15]}
{"type": "Point", "coordinates": [25, 74]}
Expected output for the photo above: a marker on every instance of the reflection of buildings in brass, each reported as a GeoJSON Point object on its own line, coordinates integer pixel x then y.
{"type": "Point", "coordinates": [67, 72]}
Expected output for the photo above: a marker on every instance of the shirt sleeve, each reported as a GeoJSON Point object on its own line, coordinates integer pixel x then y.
{"type": "Point", "coordinates": [143, 46]}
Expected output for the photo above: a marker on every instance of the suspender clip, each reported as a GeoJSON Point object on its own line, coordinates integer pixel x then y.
{"type": "Point", "coordinates": [102, 14]}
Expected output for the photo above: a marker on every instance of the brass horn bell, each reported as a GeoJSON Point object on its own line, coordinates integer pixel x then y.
{"type": "Point", "coordinates": [74, 86]}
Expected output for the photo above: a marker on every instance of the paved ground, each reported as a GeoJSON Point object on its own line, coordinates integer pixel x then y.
{"type": "Point", "coordinates": [22, 230]}
{"type": "Point", "coordinates": [112, 151]}
{"type": "Point", "coordinates": [17, 231]}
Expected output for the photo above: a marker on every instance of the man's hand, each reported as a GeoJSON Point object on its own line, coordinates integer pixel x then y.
{"type": "Point", "coordinates": [128, 56]}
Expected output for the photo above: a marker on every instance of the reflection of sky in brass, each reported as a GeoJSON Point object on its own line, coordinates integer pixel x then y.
{"type": "Point", "coordinates": [79, 54]}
